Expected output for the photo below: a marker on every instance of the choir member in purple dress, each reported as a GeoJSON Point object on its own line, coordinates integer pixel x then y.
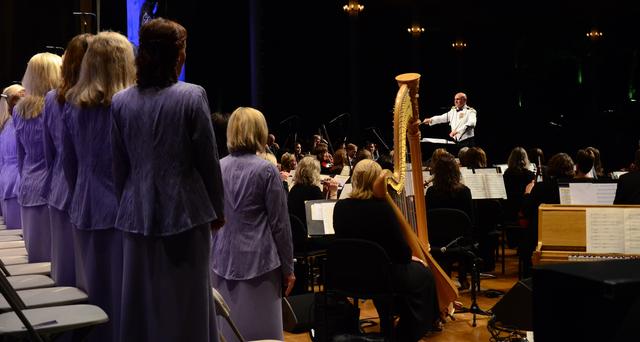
{"type": "Point", "coordinates": [56, 189]}
{"type": "Point", "coordinates": [252, 255]}
{"type": "Point", "coordinates": [107, 67]}
{"type": "Point", "coordinates": [9, 175]}
{"type": "Point", "coordinates": [169, 187]}
{"type": "Point", "coordinates": [42, 75]}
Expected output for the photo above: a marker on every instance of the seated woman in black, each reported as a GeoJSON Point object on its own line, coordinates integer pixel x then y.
{"type": "Point", "coordinates": [448, 192]}
{"type": "Point", "coordinates": [560, 167]}
{"type": "Point", "coordinates": [628, 191]}
{"type": "Point", "coordinates": [516, 178]}
{"type": "Point", "coordinates": [306, 187]}
{"type": "Point", "coordinates": [363, 216]}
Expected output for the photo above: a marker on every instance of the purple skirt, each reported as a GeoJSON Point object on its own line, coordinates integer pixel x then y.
{"type": "Point", "coordinates": [166, 289]}
{"type": "Point", "coordinates": [11, 212]}
{"type": "Point", "coordinates": [99, 273]}
{"type": "Point", "coordinates": [63, 268]}
{"type": "Point", "coordinates": [36, 230]}
{"type": "Point", "coordinates": [255, 304]}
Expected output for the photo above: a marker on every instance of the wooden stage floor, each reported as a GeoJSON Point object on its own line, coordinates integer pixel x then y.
{"type": "Point", "coordinates": [461, 329]}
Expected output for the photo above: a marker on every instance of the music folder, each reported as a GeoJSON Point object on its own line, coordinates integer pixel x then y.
{"type": "Point", "coordinates": [320, 216]}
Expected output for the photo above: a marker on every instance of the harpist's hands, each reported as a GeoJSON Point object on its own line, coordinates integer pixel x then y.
{"type": "Point", "coordinates": [415, 258]}
{"type": "Point", "coordinates": [289, 281]}
{"type": "Point", "coordinates": [217, 224]}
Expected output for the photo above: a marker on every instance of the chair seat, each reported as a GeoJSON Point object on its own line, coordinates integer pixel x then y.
{"type": "Point", "coordinates": [30, 281]}
{"type": "Point", "coordinates": [33, 268]}
{"type": "Point", "coordinates": [13, 251]}
{"type": "Point", "coordinates": [11, 244]}
{"type": "Point", "coordinates": [14, 259]}
{"type": "Point", "coordinates": [10, 232]}
{"type": "Point", "coordinates": [49, 296]}
{"type": "Point", "coordinates": [53, 319]}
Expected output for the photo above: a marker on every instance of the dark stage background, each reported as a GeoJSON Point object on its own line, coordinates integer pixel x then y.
{"type": "Point", "coordinates": [531, 73]}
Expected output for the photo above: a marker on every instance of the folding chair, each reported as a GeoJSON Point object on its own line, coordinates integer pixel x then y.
{"type": "Point", "coordinates": [222, 309]}
{"type": "Point", "coordinates": [41, 324]}
{"type": "Point", "coordinates": [10, 232]}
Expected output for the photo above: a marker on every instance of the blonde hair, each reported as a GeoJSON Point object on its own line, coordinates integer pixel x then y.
{"type": "Point", "coordinates": [107, 67]}
{"type": "Point", "coordinates": [43, 74]}
{"type": "Point", "coordinates": [246, 131]}
{"type": "Point", "coordinates": [268, 157]}
{"type": "Point", "coordinates": [307, 171]}
{"type": "Point", "coordinates": [10, 95]}
{"type": "Point", "coordinates": [364, 175]}
{"type": "Point", "coordinates": [287, 160]}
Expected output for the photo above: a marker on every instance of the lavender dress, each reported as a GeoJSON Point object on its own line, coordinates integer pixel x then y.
{"type": "Point", "coordinates": [86, 160]}
{"type": "Point", "coordinates": [253, 251]}
{"type": "Point", "coordinates": [9, 176]}
{"type": "Point", "coordinates": [56, 191]}
{"type": "Point", "coordinates": [168, 180]}
{"type": "Point", "coordinates": [33, 207]}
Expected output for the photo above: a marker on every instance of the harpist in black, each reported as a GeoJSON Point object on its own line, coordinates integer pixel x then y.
{"type": "Point", "coordinates": [364, 217]}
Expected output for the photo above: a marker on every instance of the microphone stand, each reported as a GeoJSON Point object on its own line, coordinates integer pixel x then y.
{"type": "Point", "coordinates": [326, 134]}
{"type": "Point", "coordinates": [373, 129]}
{"type": "Point", "coordinates": [475, 287]}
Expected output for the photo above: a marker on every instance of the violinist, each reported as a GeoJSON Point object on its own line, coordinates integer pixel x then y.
{"type": "Point", "coordinates": [324, 157]}
{"type": "Point", "coordinates": [364, 216]}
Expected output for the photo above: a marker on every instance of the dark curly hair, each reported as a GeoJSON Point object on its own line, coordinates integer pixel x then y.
{"type": "Point", "coordinates": [161, 42]}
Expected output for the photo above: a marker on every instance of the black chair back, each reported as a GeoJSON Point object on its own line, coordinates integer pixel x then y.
{"type": "Point", "coordinates": [447, 225]}
{"type": "Point", "coordinates": [298, 235]}
{"type": "Point", "coordinates": [358, 268]}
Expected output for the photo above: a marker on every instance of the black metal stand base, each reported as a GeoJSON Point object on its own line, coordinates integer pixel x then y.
{"type": "Point", "coordinates": [475, 288]}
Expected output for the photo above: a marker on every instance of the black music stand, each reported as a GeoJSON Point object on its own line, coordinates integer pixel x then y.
{"type": "Point", "coordinates": [475, 285]}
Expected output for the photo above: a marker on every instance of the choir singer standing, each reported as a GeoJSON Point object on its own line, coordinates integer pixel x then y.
{"type": "Point", "coordinates": [169, 188]}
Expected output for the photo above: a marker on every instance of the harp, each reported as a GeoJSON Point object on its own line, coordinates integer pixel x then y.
{"type": "Point", "coordinates": [412, 212]}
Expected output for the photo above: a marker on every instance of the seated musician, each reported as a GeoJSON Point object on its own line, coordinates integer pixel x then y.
{"type": "Point", "coordinates": [448, 192]}
{"type": "Point", "coordinates": [628, 191]}
{"type": "Point", "coordinates": [362, 216]}
{"type": "Point", "coordinates": [307, 187]}
{"type": "Point", "coordinates": [560, 167]}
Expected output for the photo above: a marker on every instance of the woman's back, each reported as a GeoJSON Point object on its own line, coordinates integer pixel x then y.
{"type": "Point", "coordinates": [165, 146]}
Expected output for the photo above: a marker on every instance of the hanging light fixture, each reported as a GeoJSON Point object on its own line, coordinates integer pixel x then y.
{"type": "Point", "coordinates": [594, 34]}
{"type": "Point", "coordinates": [459, 45]}
{"type": "Point", "coordinates": [353, 8]}
{"type": "Point", "coordinates": [415, 30]}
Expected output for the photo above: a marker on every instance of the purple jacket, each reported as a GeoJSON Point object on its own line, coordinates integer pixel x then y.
{"type": "Point", "coordinates": [30, 160]}
{"type": "Point", "coordinates": [56, 188]}
{"type": "Point", "coordinates": [9, 175]}
{"type": "Point", "coordinates": [165, 160]}
{"type": "Point", "coordinates": [256, 238]}
{"type": "Point", "coordinates": [86, 160]}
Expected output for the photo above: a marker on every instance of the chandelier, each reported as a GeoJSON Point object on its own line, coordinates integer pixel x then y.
{"type": "Point", "coordinates": [415, 30]}
{"type": "Point", "coordinates": [353, 8]}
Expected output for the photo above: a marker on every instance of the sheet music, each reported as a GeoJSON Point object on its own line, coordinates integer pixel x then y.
{"type": "Point", "coordinates": [323, 211]}
{"type": "Point", "coordinates": [341, 180]}
{"type": "Point", "coordinates": [502, 167]}
{"type": "Point", "coordinates": [494, 184]}
{"type": "Point", "coordinates": [476, 184]}
{"type": "Point", "coordinates": [327, 217]}
{"type": "Point", "coordinates": [346, 191]}
{"type": "Point", "coordinates": [565, 195]}
{"type": "Point", "coordinates": [490, 171]}
{"type": "Point", "coordinates": [617, 174]}
{"type": "Point", "coordinates": [592, 193]}
{"type": "Point", "coordinates": [632, 231]}
{"type": "Point", "coordinates": [438, 141]}
{"type": "Point", "coordinates": [605, 233]}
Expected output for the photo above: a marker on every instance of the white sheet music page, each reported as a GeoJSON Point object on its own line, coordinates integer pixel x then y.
{"type": "Point", "coordinates": [565, 195]}
{"type": "Point", "coordinates": [475, 183]}
{"type": "Point", "coordinates": [495, 185]}
{"type": "Point", "coordinates": [327, 217]}
{"type": "Point", "coordinates": [342, 180]}
{"type": "Point", "coordinates": [632, 230]}
{"type": "Point", "coordinates": [346, 191]}
{"type": "Point", "coordinates": [582, 193]}
{"type": "Point", "coordinates": [605, 192]}
{"type": "Point", "coordinates": [605, 230]}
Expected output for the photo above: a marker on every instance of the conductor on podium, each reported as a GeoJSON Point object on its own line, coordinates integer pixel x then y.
{"type": "Point", "coordinates": [462, 120]}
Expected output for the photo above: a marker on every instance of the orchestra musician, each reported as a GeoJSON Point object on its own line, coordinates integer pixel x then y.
{"type": "Point", "coordinates": [364, 216]}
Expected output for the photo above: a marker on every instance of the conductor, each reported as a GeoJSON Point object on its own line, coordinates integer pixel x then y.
{"type": "Point", "coordinates": [462, 120]}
